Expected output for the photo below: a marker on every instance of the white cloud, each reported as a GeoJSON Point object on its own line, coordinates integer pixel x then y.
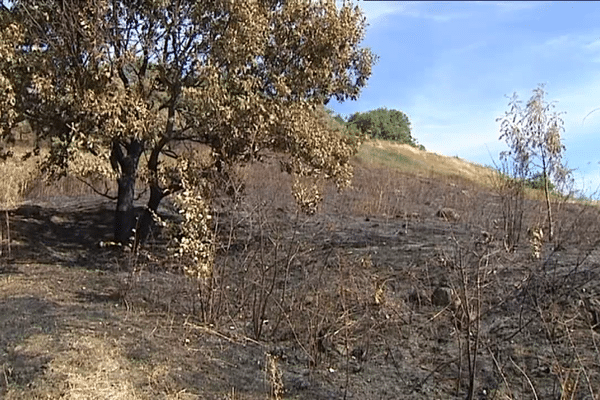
{"type": "Point", "coordinates": [593, 46]}
{"type": "Point", "coordinates": [377, 11]}
{"type": "Point", "coordinates": [577, 47]}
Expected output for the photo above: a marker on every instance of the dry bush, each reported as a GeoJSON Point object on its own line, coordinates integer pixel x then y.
{"type": "Point", "coordinates": [336, 309]}
{"type": "Point", "coordinates": [552, 329]}
{"type": "Point", "coordinates": [17, 178]}
{"type": "Point", "coordinates": [557, 303]}
{"type": "Point", "coordinates": [375, 191]}
{"type": "Point", "coordinates": [25, 179]}
{"type": "Point", "coordinates": [266, 182]}
{"type": "Point", "coordinates": [269, 274]}
{"type": "Point", "coordinates": [342, 309]}
{"type": "Point", "coordinates": [388, 192]}
{"type": "Point", "coordinates": [382, 191]}
{"type": "Point", "coordinates": [511, 192]}
{"type": "Point", "coordinates": [41, 188]}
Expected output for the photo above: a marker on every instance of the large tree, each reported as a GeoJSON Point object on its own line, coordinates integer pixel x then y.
{"type": "Point", "coordinates": [384, 124]}
{"type": "Point", "coordinates": [134, 81]}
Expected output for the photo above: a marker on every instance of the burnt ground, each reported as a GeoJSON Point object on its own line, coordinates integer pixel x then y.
{"type": "Point", "coordinates": [376, 296]}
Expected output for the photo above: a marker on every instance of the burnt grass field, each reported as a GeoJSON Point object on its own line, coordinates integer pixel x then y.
{"type": "Point", "coordinates": [377, 296]}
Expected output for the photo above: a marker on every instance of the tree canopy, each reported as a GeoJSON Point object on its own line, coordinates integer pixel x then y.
{"type": "Point", "coordinates": [130, 81]}
{"type": "Point", "coordinates": [10, 33]}
{"type": "Point", "coordinates": [383, 124]}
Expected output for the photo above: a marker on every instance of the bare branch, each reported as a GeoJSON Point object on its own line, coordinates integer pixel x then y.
{"type": "Point", "coordinates": [103, 194]}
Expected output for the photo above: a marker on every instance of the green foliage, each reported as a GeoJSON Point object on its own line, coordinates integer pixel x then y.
{"type": "Point", "coordinates": [384, 124]}
{"type": "Point", "coordinates": [336, 117]}
{"type": "Point", "coordinates": [537, 182]}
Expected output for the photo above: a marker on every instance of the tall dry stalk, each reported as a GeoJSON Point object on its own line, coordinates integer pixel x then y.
{"type": "Point", "coordinates": [274, 377]}
{"type": "Point", "coordinates": [17, 176]}
{"type": "Point", "coordinates": [510, 187]}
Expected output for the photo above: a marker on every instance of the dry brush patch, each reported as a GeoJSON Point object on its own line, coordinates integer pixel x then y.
{"type": "Point", "coordinates": [373, 296]}
{"type": "Point", "coordinates": [488, 286]}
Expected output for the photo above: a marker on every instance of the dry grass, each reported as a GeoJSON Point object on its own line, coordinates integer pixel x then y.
{"type": "Point", "coordinates": [90, 368]}
{"type": "Point", "coordinates": [422, 163]}
{"type": "Point", "coordinates": [17, 177]}
{"type": "Point", "coordinates": [22, 180]}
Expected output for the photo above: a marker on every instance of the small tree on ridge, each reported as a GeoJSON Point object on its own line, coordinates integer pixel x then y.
{"type": "Point", "coordinates": [533, 134]}
{"type": "Point", "coordinates": [383, 124]}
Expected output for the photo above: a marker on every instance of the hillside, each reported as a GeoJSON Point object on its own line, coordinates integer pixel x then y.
{"type": "Point", "coordinates": [399, 287]}
{"type": "Point", "coordinates": [409, 159]}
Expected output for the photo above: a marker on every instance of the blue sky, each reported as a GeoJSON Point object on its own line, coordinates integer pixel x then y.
{"type": "Point", "coordinates": [449, 66]}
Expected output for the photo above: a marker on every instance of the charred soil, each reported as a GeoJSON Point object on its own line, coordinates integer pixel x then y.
{"type": "Point", "coordinates": [377, 296]}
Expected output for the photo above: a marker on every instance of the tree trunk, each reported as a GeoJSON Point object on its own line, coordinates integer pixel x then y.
{"type": "Point", "coordinates": [125, 220]}
{"type": "Point", "coordinates": [156, 192]}
{"type": "Point", "coordinates": [145, 223]}
{"type": "Point", "coordinates": [125, 213]}
{"type": "Point", "coordinates": [549, 207]}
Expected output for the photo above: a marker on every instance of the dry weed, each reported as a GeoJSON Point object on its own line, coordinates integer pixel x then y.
{"type": "Point", "coordinates": [17, 177]}
{"type": "Point", "coordinates": [274, 377]}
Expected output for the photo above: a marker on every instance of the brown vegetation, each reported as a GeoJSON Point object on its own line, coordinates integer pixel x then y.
{"type": "Point", "coordinates": [124, 89]}
{"type": "Point", "coordinates": [372, 297]}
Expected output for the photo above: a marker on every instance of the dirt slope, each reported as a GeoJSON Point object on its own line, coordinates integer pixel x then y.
{"type": "Point", "coordinates": [378, 296]}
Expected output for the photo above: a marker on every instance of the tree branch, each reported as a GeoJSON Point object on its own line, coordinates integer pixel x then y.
{"type": "Point", "coordinates": [105, 194]}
